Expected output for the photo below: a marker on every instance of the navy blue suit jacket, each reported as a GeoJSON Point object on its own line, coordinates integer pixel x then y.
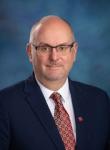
{"type": "Point", "coordinates": [27, 124]}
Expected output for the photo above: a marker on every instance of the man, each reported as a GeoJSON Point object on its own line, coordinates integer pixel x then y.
{"type": "Point", "coordinates": [30, 115]}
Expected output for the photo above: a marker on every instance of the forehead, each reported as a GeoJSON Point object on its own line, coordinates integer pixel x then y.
{"type": "Point", "coordinates": [52, 32]}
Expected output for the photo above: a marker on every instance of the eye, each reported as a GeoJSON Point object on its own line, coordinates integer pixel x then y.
{"type": "Point", "coordinates": [62, 48]}
{"type": "Point", "coordinates": [43, 48]}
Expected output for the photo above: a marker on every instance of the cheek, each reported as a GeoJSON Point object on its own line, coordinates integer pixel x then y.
{"type": "Point", "coordinates": [69, 63]}
{"type": "Point", "coordinates": [39, 61]}
{"type": "Point", "coordinates": [69, 60]}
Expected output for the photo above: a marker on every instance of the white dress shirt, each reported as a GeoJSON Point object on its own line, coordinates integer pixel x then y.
{"type": "Point", "coordinates": [66, 100]}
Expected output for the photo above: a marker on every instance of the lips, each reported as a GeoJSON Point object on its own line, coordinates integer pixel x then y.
{"type": "Point", "coordinates": [53, 66]}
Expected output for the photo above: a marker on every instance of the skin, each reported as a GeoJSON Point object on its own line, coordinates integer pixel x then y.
{"type": "Point", "coordinates": [52, 69]}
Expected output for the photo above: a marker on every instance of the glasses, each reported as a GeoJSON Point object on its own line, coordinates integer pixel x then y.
{"type": "Point", "coordinates": [47, 49]}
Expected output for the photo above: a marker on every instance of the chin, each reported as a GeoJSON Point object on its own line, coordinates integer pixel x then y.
{"type": "Point", "coordinates": [55, 78]}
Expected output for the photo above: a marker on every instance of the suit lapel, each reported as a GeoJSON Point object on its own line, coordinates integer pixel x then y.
{"type": "Point", "coordinates": [82, 137]}
{"type": "Point", "coordinates": [39, 106]}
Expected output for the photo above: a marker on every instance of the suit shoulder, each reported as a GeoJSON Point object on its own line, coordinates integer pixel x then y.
{"type": "Point", "coordinates": [87, 89]}
{"type": "Point", "coordinates": [11, 90]}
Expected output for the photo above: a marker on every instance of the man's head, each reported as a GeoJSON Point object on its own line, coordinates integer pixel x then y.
{"type": "Point", "coordinates": [52, 65]}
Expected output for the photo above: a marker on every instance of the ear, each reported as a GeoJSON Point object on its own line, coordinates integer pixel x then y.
{"type": "Point", "coordinates": [75, 48]}
{"type": "Point", "coordinates": [29, 51]}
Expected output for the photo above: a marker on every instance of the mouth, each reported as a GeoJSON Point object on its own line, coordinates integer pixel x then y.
{"type": "Point", "coordinates": [54, 66]}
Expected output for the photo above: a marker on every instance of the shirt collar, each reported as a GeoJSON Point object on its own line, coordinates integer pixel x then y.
{"type": "Point", "coordinates": [47, 92]}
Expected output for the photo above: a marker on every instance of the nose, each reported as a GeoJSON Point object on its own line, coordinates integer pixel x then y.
{"type": "Point", "coordinates": [54, 54]}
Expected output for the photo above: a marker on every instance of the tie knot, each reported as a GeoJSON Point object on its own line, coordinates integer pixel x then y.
{"type": "Point", "coordinates": [56, 97]}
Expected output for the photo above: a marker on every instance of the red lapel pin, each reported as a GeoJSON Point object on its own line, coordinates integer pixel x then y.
{"type": "Point", "coordinates": [80, 119]}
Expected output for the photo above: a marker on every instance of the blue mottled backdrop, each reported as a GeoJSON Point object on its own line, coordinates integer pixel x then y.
{"type": "Point", "coordinates": [91, 22]}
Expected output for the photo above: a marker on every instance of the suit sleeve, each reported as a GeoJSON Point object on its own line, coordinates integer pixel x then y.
{"type": "Point", "coordinates": [4, 126]}
{"type": "Point", "coordinates": [108, 144]}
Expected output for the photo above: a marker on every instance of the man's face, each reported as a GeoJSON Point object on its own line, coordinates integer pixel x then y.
{"type": "Point", "coordinates": [52, 66]}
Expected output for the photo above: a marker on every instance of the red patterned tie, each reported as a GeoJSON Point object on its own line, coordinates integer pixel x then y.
{"type": "Point", "coordinates": [63, 123]}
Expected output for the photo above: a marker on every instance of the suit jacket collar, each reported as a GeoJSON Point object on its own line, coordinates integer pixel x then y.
{"type": "Point", "coordinates": [39, 106]}
{"type": "Point", "coordinates": [80, 115]}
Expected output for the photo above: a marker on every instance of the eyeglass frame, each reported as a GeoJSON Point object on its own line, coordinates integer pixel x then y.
{"type": "Point", "coordinates": [69, 46]}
